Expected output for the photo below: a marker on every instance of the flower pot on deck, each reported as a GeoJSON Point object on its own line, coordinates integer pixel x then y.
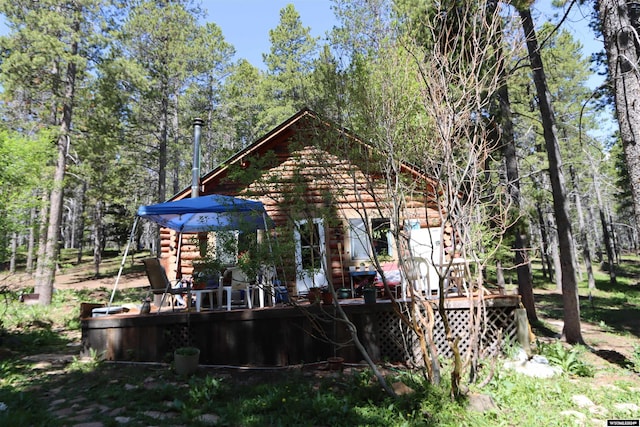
{"type": "Point", "coordinates": [314, 295]}
{"type": "Point", "coordinates": [369, 295]}
{"type": "Point", "coordinates": [344, 293]}
{"type": "Point", "coordinates": [327, 297]}
{"type": "Point", "coordinates": [335, 363]}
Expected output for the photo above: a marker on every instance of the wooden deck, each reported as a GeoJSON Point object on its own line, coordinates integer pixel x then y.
{"type": "Point", "coordinates": [279, 336]}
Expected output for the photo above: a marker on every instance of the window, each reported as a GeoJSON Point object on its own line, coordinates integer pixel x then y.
{"type": "Point", "coordinates": [310, 249]}
{"type": "Point", "coordinates": [358, 239]}
{"type": "Point", "coordinates": [380, 240]}
{"type": "Point", "coordinates": [229, 244]}
{"type": "Point", "coordinates": [381, 230]}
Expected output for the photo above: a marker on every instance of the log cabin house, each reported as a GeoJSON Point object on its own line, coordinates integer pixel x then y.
{"type": "Point", "coordinates": [323, 188]}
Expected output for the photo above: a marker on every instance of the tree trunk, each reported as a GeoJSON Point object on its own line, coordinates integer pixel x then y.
{"type": "Point", "coordinates": [570, 300]}
{"type": "Point", "coordinates": [605, 234]}
{"type": "Point", "coordinates": [521, 259]}
{"type": "Point", "coordinates": [44, 282]}
{"type": "Point", "coordinates": [98, 232]}
{"type": "Point", "coordinates": [31, 240]}
{"type": "Point", "coordinates": [584, 238]}
{"type": "Point", "coordinates": [614, 239]}
{"type": "Point", "coordinates": [607, 244]}
{"type": "Point", "coordinates": [42, 235]}
{"type": "Point", "coordinates": [620, 31]}
{"type": "Point", "coordinates": [80, 214]}
{"type": "Point", "coordinates": [178, 167]}
{"type": "Point", "coordinates": [547, 270]}
{"type": "Point", "coordinates": [162, 160]}
{"type": "Point", "coordinates": [14, 252]}
{"type": "Point", "coordinates": [555, 255]}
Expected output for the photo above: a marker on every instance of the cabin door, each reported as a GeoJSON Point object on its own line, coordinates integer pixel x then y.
{"type": "Point", "coordinates": [310, 255]}
{"type": "Point", "coordinates": [427, 243]}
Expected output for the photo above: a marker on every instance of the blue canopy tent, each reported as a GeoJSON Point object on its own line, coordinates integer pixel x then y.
{"type": "Point", "coordinates": [205, 213]}
{"type": "Point", "coordinates": [208, 213]}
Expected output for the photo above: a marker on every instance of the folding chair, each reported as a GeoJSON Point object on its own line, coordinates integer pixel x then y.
{"type": "Point", "coordinates": [161, 285]}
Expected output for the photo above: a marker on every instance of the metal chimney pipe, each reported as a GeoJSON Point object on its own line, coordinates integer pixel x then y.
{"type": "Point", "coordinates": [195, 170]}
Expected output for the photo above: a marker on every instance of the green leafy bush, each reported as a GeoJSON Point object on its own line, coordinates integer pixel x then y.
{"type": "Point", "coordinates": [635, 358]}
{"type": "Point", "coordinates": [569, 359]}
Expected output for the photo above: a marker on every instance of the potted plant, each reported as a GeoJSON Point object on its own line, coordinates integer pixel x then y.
{"type": "Point", "coordinates": [369, 293]}
{"type": "Point", "coordinates": [344, 293]}
{"type": "Point", "coordinates": [327, 296]}
{"type": "Point", "coordinates": [186, 360]}
{"type": "Point", "coordinates": [314, 295]}
{"type": "Point", "coordinates": [335, 363]}
{"type": "Point", "coordinates": [206, 270]}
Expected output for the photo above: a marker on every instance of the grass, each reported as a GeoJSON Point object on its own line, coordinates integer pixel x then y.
{"type": "Point", "coordinates": [610, 305]}
{"type": "Point", "coordinates": [44, 383]}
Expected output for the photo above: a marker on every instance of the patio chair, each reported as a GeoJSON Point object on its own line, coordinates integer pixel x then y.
{"type": "Point", "coordinates": [161, 285]}
{"type": "Point", "coordinates": [265, 284]}
{"type": "Point", "coordinates": [419, 278]}
{"type": "Point", "coordinates": [240, 290]}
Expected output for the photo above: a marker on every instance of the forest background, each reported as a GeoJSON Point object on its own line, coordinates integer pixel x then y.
{"type": "Point", "coordinates": [98, 99]}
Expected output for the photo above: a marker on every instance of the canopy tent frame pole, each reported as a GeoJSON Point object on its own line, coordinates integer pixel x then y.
{"type": "Point", "coordinates": [124, 259]}
{"type": "Point", "coordinates": [188, 302]}
{"type": "Point", "coordinates": [271, 290]}
{"type": "Point", "coordinates": [275, 276]}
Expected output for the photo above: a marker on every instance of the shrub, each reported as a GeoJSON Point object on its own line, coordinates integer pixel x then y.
{"type": "Point", "coordinates": [569, 359]}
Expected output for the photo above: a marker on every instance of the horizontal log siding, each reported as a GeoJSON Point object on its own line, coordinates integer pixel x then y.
{"type": "Point", "coordinates": [328, 180]}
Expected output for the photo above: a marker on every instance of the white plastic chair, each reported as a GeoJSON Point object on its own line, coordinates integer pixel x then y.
{"type": "Point", "coordinates": [239, 283]}
{"type": "Point", "coordinates": [418, 276]}
{"type": "Point", "coordinates": [265, 283]}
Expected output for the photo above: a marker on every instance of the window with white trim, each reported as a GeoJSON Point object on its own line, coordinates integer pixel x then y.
{"type": "Point", "coordinates": [360, 242]}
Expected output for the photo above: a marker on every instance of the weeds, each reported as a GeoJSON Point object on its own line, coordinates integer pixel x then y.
{"type": "Point", "coordinates": [635, 358]}
{"type": "Point", "coordinates": [87, 365]}
{"type": "Point", "coordinates": [569, 359]}
{"type": "Point", "coordinates": [351, 398]}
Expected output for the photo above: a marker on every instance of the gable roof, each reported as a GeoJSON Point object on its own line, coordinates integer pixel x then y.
{"type": "Point", "coordinates": [278, 135]}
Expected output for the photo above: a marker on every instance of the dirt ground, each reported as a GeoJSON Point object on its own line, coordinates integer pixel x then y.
{"type": "Point", "coordinates": [605, 345]}
{"type": "Point", "coordinates": [76, 279]}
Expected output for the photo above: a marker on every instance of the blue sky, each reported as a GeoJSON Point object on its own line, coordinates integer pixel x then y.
{"type": "Point", "coordinates": [576, 23]}
{"type": "Point", "coordinates": [246, 23]}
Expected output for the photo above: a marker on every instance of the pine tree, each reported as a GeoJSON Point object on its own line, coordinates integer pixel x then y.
{"type": "Point", "coordinates": [289, 65]}
{"type": "Point", "coordinates": [619, 23]}
{"type": "Point", "coordinates": [48, 50]}
{"type": "Point", "coordinates": [571, 306]}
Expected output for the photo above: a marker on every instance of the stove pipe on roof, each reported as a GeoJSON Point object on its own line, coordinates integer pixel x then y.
{"type": "Point", "coordinates": [195, 171]}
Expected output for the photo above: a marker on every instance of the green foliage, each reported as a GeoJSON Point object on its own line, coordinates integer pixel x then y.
{"type": "Point", "coordinates": [23, 163]}
{"type": "Point", "coordinates": [569, 359]}
{"type": "Point", "coordinates": [81, 365]}
{"type": "Point", "coordinates": [635, 358]}
{"type": "Point", "coordinates": [209, 389]}
{"type": "Point", "coordinates": [286, 87]}
{"type": "Point", "coordinates": [187, 351]}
